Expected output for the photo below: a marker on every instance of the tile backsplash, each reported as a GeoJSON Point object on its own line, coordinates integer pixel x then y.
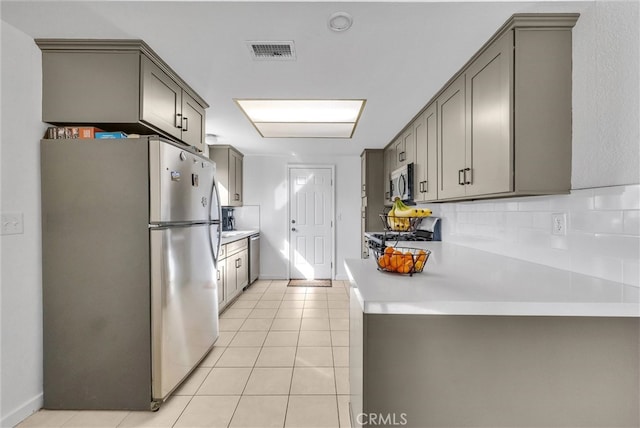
{"type": "Point", "coordinates": [247, 217]}
{"type": "Point", "coordinates": [601, 239]}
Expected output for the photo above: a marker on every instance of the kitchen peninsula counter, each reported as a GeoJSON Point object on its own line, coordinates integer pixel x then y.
{"type": "Point", "coordinates": [482, 340]}
{"type": "Point", "coordinates": [458, 280]}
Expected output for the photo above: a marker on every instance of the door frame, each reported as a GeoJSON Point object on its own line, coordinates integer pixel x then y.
{"type": "Point", "coordinates": [332, 167]}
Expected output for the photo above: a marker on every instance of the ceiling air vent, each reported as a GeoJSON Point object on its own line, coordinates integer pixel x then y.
{"type": "Point", "coordinates": [272, 51]}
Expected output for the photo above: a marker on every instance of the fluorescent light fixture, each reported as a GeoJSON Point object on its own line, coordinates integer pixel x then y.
{"type": "Point", "coordinates": [303, 118]}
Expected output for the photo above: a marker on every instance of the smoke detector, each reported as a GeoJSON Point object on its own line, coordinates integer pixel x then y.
{"type": "Point", "coordinates": [340, 21]}
{"type": "Point", "coordinates": [272, 51]}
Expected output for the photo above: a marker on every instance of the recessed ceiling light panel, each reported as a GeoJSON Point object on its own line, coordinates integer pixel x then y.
{"type": "Point", "coordinates": [303, 118]}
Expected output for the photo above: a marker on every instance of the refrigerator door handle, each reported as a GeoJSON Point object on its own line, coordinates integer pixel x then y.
{"type": "Point", "coordinates": [214, 192]}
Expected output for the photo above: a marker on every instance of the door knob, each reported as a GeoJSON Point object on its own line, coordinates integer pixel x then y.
{"type": "Point", "coordinates": [293, 229]}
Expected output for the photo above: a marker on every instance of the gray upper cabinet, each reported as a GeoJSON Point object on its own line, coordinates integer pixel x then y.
{"type": "Point", "coordinates": [229, 170]}
{"type": "Point", "coordinates": [452, 140]}
{"type": "Point", "coordinates": [389, 165]}
{"type": "Point", "coordinates": [118, 85]}
{"type": "Point", "coordinates": [503, 122]}
{"type": "Point", "coordinates": [426, 163]}
{"type": "Point", "coordinates": [488, 166]}
{"type": "Point", "coordinates": [404, 147]}
{"type": "Point", "coordinates": [371, 162]}
{"type": "Point", "coordinates": [161, 99]}
{"type": "Point", "coordinates": [193, 117]}
{"type": "Point", "coordinates": [475, 150]}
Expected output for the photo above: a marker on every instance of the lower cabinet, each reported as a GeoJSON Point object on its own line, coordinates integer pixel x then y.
{"type": "Point", "coordinates": [221, 269]}
{"type": "Point", "coordinates": [233, 271]}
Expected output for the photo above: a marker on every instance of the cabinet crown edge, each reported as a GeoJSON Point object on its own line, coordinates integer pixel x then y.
{"type": "Point", "coordinates": [516, 21]}
{"type": "Point", "coordinates": [117, 45]}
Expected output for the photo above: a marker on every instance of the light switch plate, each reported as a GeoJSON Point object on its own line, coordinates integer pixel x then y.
{"type": "Point", "coordinates": [559, 224]}
{"type": "Point", "coordinates": [11, 223]}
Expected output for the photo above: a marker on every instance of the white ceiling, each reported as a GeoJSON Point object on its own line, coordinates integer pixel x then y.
{"type": "Point", "coordinates": [396, 55]}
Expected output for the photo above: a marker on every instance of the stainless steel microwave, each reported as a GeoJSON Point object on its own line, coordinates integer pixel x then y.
{"type": "Point", "coordinates": [402, 183]}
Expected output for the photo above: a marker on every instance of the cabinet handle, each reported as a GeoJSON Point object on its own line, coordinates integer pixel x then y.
{"type": "Point", "coordinates": [218, 274]}
{"type": "Point", "coordinates": [460, 177]}
{"type": "Point", "coordinates": [185, 123]}
{"type": "Point", "coordinates": [467, 180]}
{"type": "Point", "coordinates": [426, 186]}
{"type": "Point", "coordinates": [236, 196]}
{"type": "Point", "coordinates": [238, 263]}
{"type": "Point", "coordinates": [178, 123]}
{"type": "Point", "coordinates": [402, 156]}
{"type": "Point", "coordinates": [364, 187]}
{"type": "Point", "coordinates": [386, 195]}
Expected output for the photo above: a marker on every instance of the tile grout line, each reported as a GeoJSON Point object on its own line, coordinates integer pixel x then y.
{"type": "Point", "coordinates": [293, 369]}
{"type": "Point", "coordinates": [248, 377]}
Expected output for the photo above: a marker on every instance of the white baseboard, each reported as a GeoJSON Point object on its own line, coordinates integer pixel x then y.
{"type": "Point", "coordinates": [22, 412]}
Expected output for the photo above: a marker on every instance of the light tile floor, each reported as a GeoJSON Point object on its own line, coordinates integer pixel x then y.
{"type": "Point", "coordinates": [281, 361]}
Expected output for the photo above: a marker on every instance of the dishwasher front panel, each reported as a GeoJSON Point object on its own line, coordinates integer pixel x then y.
{"type": "Point", "coordinates": [254, 258]}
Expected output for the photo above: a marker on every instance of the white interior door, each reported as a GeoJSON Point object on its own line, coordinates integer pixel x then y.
{"type": "Point", "coordinates": [310, 223]}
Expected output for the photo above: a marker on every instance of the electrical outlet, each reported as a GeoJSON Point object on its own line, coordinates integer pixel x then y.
{"type": "Point", "coordinates": [11, 223]}
{"type": "Point", "coordinates": [559, 224]}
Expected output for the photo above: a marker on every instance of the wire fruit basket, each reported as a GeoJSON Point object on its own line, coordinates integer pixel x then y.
{"type": "Point", "coordinates": [402, 260]}
{"type": "Point", "coordinates": [400, 224]}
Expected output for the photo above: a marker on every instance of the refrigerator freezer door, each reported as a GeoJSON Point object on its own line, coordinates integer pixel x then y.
{"type": "Point", "coordinates": [181, 184]}
{"type": "Point", "coordinates": [184, 303]}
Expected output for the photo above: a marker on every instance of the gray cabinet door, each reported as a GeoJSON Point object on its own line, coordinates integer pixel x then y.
{"type": "Point", "coordinates": [242, 269]}
{"type": "Point", "coordinates": [161, 99]}
{"type": "Point", "coordinates": [426, 164]}
{"type": "Point", "coordinates": [408, 146]}
{"type": "Point", "coordinates": [221, 276]}
{"type": "Point", "coordinates": [389, 163]}
{"type": "Point", "coordinates": [452, 140]}
{"type": "Point", "coordinates": [231, 283]}
{"type": "Point", "coordinates": [489, 155]}
{"type": "Point", "coordinates": [235, 177]}
{"type": "Point", "coordinates": [400, 153]}
{"type": "Point", "coordinates": [363, 175]}
{"type": "Point", "coordinates": [229, 170]}
{"type": "Point", "coordinates": [192, 122]}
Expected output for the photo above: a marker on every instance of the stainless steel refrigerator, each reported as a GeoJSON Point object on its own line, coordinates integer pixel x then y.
{"type": "Point", "coordinates": [130, 239]}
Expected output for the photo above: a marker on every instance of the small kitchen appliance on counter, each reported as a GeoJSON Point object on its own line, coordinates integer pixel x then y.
{"type": "Point", "coordinates": [228, 221]}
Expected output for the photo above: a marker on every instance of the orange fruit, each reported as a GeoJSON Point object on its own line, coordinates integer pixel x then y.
{"type": "Point", "coordinates": [388, 250]}
{"type": "Point", "coordinates": [382, 262]}
{"type": "Point", "coordinates": [395, 262]}
{"type": "Point", "coordinates": [422, 256]}
{"type": "Point", "coordinates": [419, 266]}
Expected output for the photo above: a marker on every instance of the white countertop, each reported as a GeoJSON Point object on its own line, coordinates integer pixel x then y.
{"type": "Point", "coordinates": [236, 235]}
{"type": "Point", "coordinates": [458, 280]}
